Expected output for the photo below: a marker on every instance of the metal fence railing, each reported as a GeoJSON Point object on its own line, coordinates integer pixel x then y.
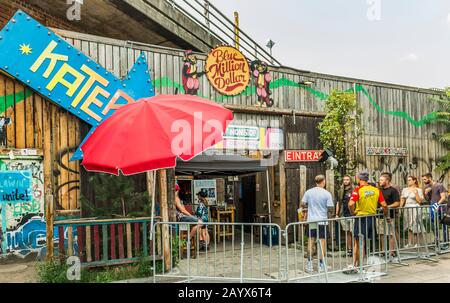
{"type": "Point", "coordinates": [348, 249]}
{"type": "Point", "coordinates": [242, 252]}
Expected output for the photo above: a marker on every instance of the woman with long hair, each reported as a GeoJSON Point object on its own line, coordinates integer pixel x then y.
{"type": "Point", "coordinates": [411, 198]}
{"type": "Point", "coordinates": [202, 214]}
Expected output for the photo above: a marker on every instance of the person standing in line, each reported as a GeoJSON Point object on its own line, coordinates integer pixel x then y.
{"type": "Point", "coordinates": [412, 198]}
{"type": "Point", "coordinates": [319, 204]}
{"type": "Point", "coordinates": [392, 198]}
{"type": "Point", "coordinates": [436, 195]}
{"type": "Point", "coordinates": [364, 204]}
{"type": "Point", "coordinates": [342, 210]}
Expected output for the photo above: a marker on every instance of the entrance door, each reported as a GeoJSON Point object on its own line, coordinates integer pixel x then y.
{"type": "Point", "coordinates": [301, 133]}
{"type": "Point", "coordinates": [248, 187]}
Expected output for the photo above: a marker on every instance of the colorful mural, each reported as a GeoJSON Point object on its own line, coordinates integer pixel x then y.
{"type": "Point", "coordinates": [25, 224]}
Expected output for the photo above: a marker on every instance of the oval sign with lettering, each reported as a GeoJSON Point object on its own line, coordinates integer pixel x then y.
{"type": "Point", "coordinates": [228, 70]}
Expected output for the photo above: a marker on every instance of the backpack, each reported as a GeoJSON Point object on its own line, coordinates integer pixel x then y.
{"type": "Point", "coordinates": [446, 216]}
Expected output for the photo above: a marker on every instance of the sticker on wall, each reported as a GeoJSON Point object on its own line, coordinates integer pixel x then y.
{"type": "Point", "coordinates": [4, 122]}
{"type": "Point", "coordinates": [190, 73]}
{"type": "Point", "coordinates": [386, 151]}
{"type": "Point", "coordinates": [262, 79]}
{"type": "Point", "coordinates": [228, 70]}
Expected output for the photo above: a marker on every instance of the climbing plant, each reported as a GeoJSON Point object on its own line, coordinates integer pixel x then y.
{"type": "Point", "coordinates": [443, 118]}
{"type": "Point", "coordinates": [340, 129]}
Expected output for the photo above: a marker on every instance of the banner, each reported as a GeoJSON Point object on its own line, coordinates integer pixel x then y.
{"type": "Point", "coordinates": [45, 62]}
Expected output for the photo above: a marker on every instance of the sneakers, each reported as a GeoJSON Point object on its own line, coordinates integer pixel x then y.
{"type": "Point", "coordinates": [309, 267]}
{"type": "Point", "coordinates": [444, 247]}
{"type": "Point", "coordinates": [351, 270]}
{"type": "Point", "coordinates": [349, 253]}
{"type": "Point", "coordinates": [322, 267]}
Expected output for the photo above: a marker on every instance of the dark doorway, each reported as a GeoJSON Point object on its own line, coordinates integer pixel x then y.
{"type": "Point", "coordinates": [248, 197]}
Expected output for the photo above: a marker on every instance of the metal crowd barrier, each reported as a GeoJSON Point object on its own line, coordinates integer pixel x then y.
{"type": "Point", "coordinates": [260, 252]}
{"type": "Point", "coordinates": [310, 259]}
{"type": "Point", "coordinates": [238, 253]}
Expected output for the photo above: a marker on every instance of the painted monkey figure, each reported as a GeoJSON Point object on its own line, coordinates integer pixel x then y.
{"type": "Point", "coordinates": [4, 121]}
{"type": "Point", "coordinates": [190, 73]}
{"type": "Point", "coordinates": [262, 78]}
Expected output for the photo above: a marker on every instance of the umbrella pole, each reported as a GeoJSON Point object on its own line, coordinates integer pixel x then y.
{"type": "Point", "coordinates": [268, 196]}
{"type": "Point", "coordinates": [153, 202]}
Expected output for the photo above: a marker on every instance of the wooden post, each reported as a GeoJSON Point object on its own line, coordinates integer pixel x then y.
{"type": "Point", "coordinates": [330, 182]}
{"type": "Point", "coordinates": [165, 217]}
{"type": "Point", "coordinates": [236, 30]}
{"type": "Point", "coordinates": [282, 193]}
{"type": "Point", "coordinates": [302, 187]}
{"type": "Point", "coordinates": [49, 219]}
{"type": "Point", "coordinates": [150, 181]}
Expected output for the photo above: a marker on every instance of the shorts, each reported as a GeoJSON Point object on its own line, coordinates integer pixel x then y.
{"type": "Point", "coordinates": [382, 228]}
{"type": "Point", "coordinates": [347, 224]}
{"type": "Point", "coordinates": [315, 230]}
{"type": "Point", "coordinates": [365, 227]}
{"type": "Point", "coordinates": [188, 219]}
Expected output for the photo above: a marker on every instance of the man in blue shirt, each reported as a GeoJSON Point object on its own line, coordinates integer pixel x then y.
{"type": "Point", "coordinates": [320, 207]}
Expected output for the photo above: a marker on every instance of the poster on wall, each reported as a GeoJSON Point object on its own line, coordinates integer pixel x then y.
{"type": "Point", "coordinates": [227, 70]}
{"type": "Point", "coordinates": [242, 137]}
{"type": "Point", "coordinates": [208, 186]}
{"type": "Point", "coordinates": [22, 206]}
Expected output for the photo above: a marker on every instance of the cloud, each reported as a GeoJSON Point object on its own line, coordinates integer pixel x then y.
{"type": "Point", "coordinates": [448, 18]}
{"type": "Point", "coordinates": [409, 57]}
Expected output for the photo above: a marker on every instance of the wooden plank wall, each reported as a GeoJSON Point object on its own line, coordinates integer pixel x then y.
{"type": "Point", "coordinates": [382, 127]}
{"type": "Point", "coordinates": [38, 124]}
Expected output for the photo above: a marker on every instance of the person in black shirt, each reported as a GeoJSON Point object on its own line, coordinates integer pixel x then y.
{"type": "Point", "coordinates": [342, 210]}
{"type": "Point", "coordinates": [392, 197]}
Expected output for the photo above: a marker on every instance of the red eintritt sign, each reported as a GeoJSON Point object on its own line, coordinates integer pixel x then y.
{"type": "Point", "coordinates": [302, 155]}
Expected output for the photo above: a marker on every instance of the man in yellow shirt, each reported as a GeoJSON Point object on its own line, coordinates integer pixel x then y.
{"type": "Point", "coordinates": [363, 204]}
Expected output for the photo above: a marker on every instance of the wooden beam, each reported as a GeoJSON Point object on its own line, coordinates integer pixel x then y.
{"type": "Point", "coordinates": [245, 109]}
{"type": "Point", "coordinates": [302, 187]}
{"type": "Point", "coordinates": [165, 217]}
{"type": "Point", "coordinates": [330, 182]}
{"type": "Point", "coordinates": [49, 218]}
{"type": "Point", "coordinates": [283, 203]}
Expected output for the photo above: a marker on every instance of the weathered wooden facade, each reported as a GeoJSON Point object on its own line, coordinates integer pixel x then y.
{"type": "Point", "coordinates": [393, 116]}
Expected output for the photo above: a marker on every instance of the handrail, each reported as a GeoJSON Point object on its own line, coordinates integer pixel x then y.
{"type": "Point", "coordinates": [222, 28]}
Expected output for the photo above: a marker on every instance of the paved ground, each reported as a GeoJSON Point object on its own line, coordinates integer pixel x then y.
{"type": "Point", "coordinates": [18, 273]}
{"type": "Point", "coordinates": [418, 271]}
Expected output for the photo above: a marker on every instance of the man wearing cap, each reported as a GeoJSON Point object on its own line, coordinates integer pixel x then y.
{"type": "Point", "coordinates": [363, 204]}
{"type": "Point", "coordinates": [183, 215]}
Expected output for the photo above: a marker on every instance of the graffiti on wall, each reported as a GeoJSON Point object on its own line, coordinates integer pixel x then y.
{"type": "Point", "coordinates": [402, 168]}
{"type": "Point", "coordinates": [190, 73]}
{"type": "Point", "coordinates": [262, 79]}
{"type": "Point", "coordinates": [25, 222]}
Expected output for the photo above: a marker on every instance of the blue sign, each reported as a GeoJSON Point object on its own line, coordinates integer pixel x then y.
{"type": "Point", "coordinates": [15, 186]}
{"type": "Point", "coordinates": [45, 62]}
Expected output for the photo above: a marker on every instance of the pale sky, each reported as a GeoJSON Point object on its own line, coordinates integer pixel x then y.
{"type": "Point", "coordinates": [403, 42]}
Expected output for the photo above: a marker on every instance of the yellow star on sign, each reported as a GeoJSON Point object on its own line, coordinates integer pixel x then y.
{"type": "Point", "coordinates": [25, 49]}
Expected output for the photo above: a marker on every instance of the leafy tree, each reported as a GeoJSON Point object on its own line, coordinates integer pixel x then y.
{"type": "Point", "coordinates": [116, 197]}
{"type": "Point", "coordinates": [340, 130]}
{"type": "Point", "coordinates": [443, 117]}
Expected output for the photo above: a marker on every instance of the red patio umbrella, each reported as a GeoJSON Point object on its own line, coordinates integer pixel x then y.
{"type": "Point", "coordinates": [151, 133]}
